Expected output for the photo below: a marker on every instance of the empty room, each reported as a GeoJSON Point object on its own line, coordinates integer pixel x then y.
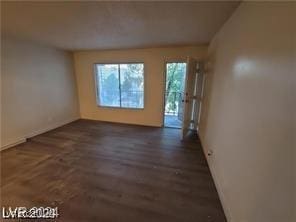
{"type": "Point", "coordinates": [148, 111]}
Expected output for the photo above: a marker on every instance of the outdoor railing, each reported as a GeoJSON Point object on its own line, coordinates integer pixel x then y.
{"type": "Point", "coordinates": [132, 98]}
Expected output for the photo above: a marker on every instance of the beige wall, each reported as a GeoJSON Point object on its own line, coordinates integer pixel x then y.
{"type": "Point", "coordinates": [294, 147]}
{"type": "Point", "coordinates": [154, 60]}
{"type": "Point", "coordinates": [38, 90]}
{"type": "Point", "coordinates": [247, 118]}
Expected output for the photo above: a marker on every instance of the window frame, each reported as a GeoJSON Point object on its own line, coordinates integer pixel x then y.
{"type": "Point", "coordinates": [97, 85]}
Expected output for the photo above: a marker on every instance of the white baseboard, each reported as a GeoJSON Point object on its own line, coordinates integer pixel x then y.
{"type": "Point", "coordinates": [16, 142]}
{"type": "Point", "coordinates": [122, 122]}
{"type": "Point", "coordinates": [218, 185]}
{"type": "Point", "coordinates": [35, 133]}
{"type": "Point", "coordinates": [38, 132]}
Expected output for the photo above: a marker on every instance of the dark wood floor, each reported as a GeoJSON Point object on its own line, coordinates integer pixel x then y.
{"type": "Point", "coordinates": [95, 171]}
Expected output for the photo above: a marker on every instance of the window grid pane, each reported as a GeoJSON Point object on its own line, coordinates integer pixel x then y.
{"type": "Point", "coordinates": [126, 90]}
{"type": "Point", "coordinates": [108, 85]}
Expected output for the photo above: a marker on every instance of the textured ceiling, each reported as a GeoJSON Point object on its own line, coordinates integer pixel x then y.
{"type": "Point", "coordinates": [114, 25]}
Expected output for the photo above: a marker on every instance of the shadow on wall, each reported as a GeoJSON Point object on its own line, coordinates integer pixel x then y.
{"type": "Point", "coordinates": [208, 85]}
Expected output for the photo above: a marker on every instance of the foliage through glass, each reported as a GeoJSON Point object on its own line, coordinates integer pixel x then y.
{"type": "Point", "coordinates": [120, 85]}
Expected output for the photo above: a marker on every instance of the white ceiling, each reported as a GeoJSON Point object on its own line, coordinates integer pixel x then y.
{"type": "Point", "coordinates": [114, 25]}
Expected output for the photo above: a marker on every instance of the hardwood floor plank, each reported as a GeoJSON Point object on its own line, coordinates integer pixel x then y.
{"type": "Point", "coordinates": [98, 171]}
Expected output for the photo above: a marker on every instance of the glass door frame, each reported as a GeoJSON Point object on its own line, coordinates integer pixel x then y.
{"type": "Point", "coordinates": [182, 60]}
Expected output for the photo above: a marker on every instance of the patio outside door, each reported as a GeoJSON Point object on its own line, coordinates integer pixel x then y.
{"type": "Point", "coordinates": [174, 93]}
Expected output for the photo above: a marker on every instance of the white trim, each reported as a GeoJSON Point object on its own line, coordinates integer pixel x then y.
{"type": "Point", "coordinates": [37, 132]}
{"type": "Point", "coordinates": [218, 185]}
{"type": "Point", "coordinates": [16, 142]}
{"type": "Point", "coordinates": [126, 123]}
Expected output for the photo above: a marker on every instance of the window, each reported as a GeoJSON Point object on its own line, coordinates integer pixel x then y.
{"type": "Point", "coordinates": [120, 85]}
